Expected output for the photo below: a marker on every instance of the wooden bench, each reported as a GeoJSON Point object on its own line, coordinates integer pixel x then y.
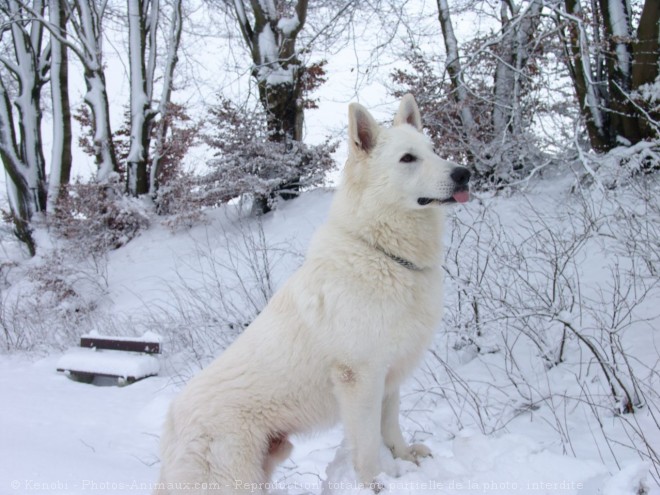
{"type": "Point", "coordinates": [124, 359]}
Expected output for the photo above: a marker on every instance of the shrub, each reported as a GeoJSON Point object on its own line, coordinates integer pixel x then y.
{"type": "Point", "coordinates": [251, 160]}
{"type": "Point", "coordinates": [98, 217]}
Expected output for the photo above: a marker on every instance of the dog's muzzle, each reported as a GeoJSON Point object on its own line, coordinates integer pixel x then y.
{"type": "Point", "coordinates": [461, 194]}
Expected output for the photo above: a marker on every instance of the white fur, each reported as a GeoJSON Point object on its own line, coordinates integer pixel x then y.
{"type": "Point", "coordinates": [338, 338]}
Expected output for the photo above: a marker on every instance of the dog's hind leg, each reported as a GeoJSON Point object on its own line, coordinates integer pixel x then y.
{"type": "Point", "coordinates": [279, 449]}
{"type": "Point", "coordinates": [246, 463]}
{"type": "Point", "coordinates": [184, 467]}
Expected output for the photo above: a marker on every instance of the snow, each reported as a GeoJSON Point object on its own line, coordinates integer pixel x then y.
{"type": "Point", "coordinates": [473, 464]}
{"type": "Point", "coordinates": [271, 69]}
{"type": "Point", "coordinates": [288, 25]}
{"type": "Point", "coordinates": [146, 337]}
{"type": "Point", "coordinates": [276, 75]}
{"type": "Point", "coordinates": [620, 31]}
{"type": "Point", "coordinates": [267, 45]}
{"type": "Point", "coordinates": [631, 480]}
{"type": "Point", "coordinates": [651, 92]}
{"type": "Point", "coordinates": [268, 6]}
{"type": "Point", "coordinates": [72, 437]}
{"type": "Point", "coordinates": [240, 12]}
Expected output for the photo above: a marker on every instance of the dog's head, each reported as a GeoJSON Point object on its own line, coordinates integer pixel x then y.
{"type": "Point", "coordinates": [399, 163]}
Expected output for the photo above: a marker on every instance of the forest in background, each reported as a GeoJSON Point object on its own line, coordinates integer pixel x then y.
{"type": "Point", "coordinates": [538, 82]}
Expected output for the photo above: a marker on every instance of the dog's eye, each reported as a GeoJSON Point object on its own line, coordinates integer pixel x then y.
{"type": "Point", "coordinates": [408, 158]}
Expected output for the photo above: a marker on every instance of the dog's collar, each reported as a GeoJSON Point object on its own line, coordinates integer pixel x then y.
{"type": "Point", "coordinates": [401, 261]}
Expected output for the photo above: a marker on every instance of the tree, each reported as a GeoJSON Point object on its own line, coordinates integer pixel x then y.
{"type": "Point", "coordinates": [610, 63]}
{"type": "Point", "coordinates": [166, 110]}
{"type": "Point", "coordinates": [60, 165]}
{"type": "Point", "coordinates": [271, 39]}
{"type": "Point", "coordinates": [481, 116]}
{"type": "Point", "coordinates": [142, 22]}
{"type": "Point", "coordinates": [144, 19]}
{"type": "Point", "coordinates": [24, 159]}
{"type": "Point", "coordinates": [453, 66]}
{"type": "Point", "coordinates": [181, 134]}
{"type": "Point", "coordinates": [87, 23]}
{"type": "Point", "coordinates": [22, 155]}
{"type": "Point", "coordinates": [519, 27]}
{"type": "Point", "coordinates": [86, 20]}
{"type": "Point", "coordinates": [270, 30]}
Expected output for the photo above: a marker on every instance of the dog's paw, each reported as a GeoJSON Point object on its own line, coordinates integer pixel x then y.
{"type": "Point", "coordinates": [419, 451]}
{"type": "Point", "coordinates": [412, 453]}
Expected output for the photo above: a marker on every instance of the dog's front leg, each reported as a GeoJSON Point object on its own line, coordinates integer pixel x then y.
{"type": "Point", "coordinates": [359, 393]}
{"type": "Point", "coordinates": [392, 431]}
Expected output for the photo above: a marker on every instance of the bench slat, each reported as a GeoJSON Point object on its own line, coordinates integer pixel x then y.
{"type": "Point", "coordinates": [120, 345]}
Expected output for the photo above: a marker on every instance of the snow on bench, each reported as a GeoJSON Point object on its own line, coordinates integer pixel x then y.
{"type": "Point", "coordinates": [126, 359]}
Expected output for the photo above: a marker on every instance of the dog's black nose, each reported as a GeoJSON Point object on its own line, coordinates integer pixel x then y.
{"type": "Point", "coordinates": [460, 175]}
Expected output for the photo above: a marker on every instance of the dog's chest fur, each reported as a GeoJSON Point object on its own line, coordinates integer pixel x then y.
{"type": "Point", "coordinates": [374, 308]}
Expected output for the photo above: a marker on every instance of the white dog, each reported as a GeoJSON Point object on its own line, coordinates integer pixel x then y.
{"type": "Point", "coordinates": [336, 341]}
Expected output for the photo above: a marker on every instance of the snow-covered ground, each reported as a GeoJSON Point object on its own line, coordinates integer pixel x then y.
{"type": "Point", "coordinates": [61, 436]}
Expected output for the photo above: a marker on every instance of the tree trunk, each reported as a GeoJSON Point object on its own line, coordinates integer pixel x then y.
{"type": "Point", "coordinates": [30, 77]}
{"type": "Point", "coordinates": [104, 148]}
{"type": "Point", "coordinates": [60, 167]}
{"type": "Point", "coordinates": [505, 76]}
{"type": "Point", "coordinates": [283, 109]}
{"type": "Point", "coordinates": [22, 155]}
{"type": "Point", "coordinates": [517, 34]}
{"type": "Point", "coordinates": [455, 71]}
{"type": "Point", "coordinates": [278, 73]}
{"type": "Point", "coordinates": [136, 170]}
{"type": "Point", "coordinates": [91, 36]}
{"type": "Point", "coordinates": [623, 121]}
{"type": "Point", "coordinates": [163, 106]}
{"type": "Point", "coordinates": [20, 200]}
{"type": "Point", "coordinates": [646, 58]}
{"type": "Point", "coordinates": [584, 78]}
{"type": "Point", "coordinates": [614, 114]}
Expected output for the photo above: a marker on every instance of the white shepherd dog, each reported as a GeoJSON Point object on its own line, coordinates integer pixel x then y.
{"type": "Point", "coordinates": [336, 341]}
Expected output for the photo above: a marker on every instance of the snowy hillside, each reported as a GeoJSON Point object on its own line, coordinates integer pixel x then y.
{"type": "Point", "coordinates": [499, 417]}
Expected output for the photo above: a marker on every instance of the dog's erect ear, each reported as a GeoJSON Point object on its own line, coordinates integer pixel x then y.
{"type": "Point", "coordinates": [408, 113]}
{"type": "Point", "coordinates": [362, 129]}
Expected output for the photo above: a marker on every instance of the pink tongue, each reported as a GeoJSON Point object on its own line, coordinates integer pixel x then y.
{"type": "Point", "coordinates": [462, 196]}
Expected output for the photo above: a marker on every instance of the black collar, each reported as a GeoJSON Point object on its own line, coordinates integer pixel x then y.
{"type": "Point", "coordinates": [401, 261]}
